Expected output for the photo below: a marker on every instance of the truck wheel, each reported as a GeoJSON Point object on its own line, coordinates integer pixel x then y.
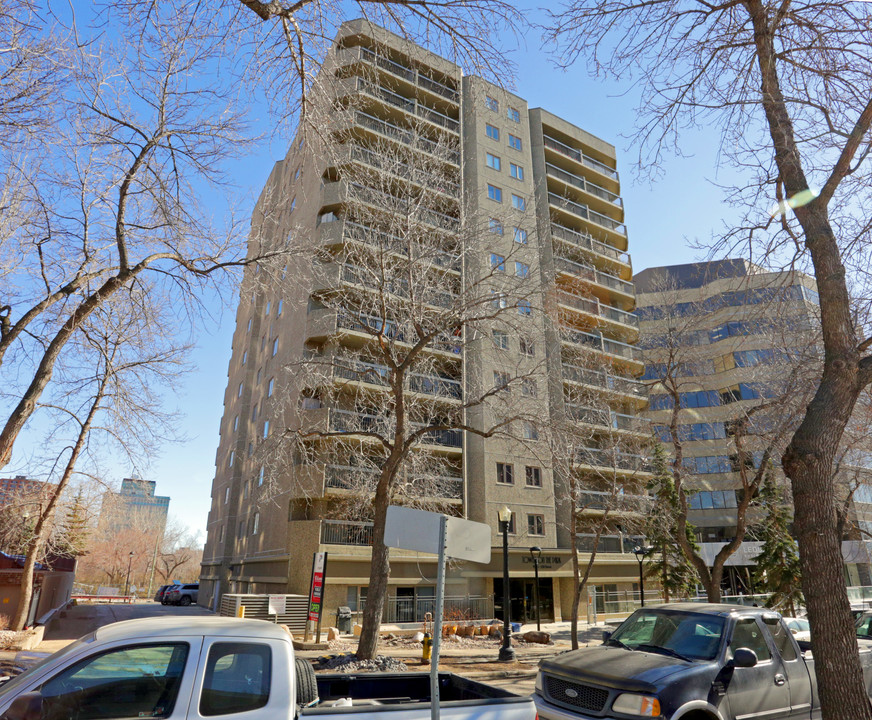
{"type": "Point", "coordinates": [185, 600]}
{"type": "Point", "coordinates": [307, 686]}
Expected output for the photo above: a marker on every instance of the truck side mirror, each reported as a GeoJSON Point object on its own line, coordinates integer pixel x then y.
{"type": "Point", "coordinates": [606, 635]}
{"type": "Point", "coordinates": [744, 658]}
{"type": "Point", "coordinates": [25, 707]}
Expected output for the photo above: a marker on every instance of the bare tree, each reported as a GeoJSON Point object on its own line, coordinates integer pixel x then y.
{"type": "Point", "coordinates": [790, 87]}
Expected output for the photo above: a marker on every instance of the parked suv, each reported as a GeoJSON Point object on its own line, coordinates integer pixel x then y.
{"type": "Point", "coordinates": [161, 591]}
{"type": "Point", "coordinates": [181, 595]}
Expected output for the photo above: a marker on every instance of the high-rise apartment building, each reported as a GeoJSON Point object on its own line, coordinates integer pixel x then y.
{"type": "Point", "coordinates": [546, 197]}
{"type": "Point", "coordinates": [135, 505]}
{"type": "Point", "coordinates": [730, 336]}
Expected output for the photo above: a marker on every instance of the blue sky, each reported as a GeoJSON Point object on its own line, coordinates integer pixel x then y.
{"type": "Point", "coordinates": [663, 217]}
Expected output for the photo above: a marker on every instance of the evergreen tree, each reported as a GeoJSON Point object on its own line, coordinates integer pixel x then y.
{"type": "Point", "coordinates": [778, 570]}
{"type": "Point", "coordinates": [75, 533]}
{"type": "Point", "coordinates": [668, 565]}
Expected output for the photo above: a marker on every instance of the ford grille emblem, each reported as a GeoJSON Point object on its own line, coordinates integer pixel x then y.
{"type": "Point", "coordinates": [571, 693]}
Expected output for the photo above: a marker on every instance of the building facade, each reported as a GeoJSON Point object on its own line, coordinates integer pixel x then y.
{"type": "Point", "coordinates": [544, 197]}
{"type": "Point", "coordinates": [731, 338]}
{"type": "Point", "coordinates": [135, 505]}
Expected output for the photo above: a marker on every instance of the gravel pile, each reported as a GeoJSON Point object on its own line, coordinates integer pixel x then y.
{"type": "Point", "coordinates": [350, 663]}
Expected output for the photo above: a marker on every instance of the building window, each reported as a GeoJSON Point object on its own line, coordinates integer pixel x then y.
{"type": "Point", "coordinates": [520, 236]}
{"type": "Point", "coordinates": [245, 491]}
{"type": "Point", "coordinates": [524, 308]}
{"type": "Point", "coordinates": [279, 308]}
{"type": "Point", "coordinates": [498, 263]}
{"type": "Point", "coordinates": [513, 114]}
{"type": "Point", "coordinates": [505, 473]}
{"type": "Point", "coordinates": [275, 346]}
{"type": "Point", "coordinates": [226, 495]}
{"type": "Point", "coordinates": [501, 339]}
{"type": "Point", "coordinates": [235, 423]}
{"type": "Point", "coordinates": [518, 202]}
{"type": "Point", "coordinates": [269, 387]}
{"type": "Point", "coordinates": [522, 270]}
{"type": "Point", "coordinates": [514, 142]}
{"type": "Point", "coordinates": [293, 205]}
{"type": "Point", "coordinates": [501, 380]}
{"type": "Point", "coordinates": [528, 387]}
{"type": "Point", "coordinates": [511, 529]}
{"type": "Point", "coordinates": [499, 300]}
{"type": "Point", "coordinates": [495, 193]}
{"type": "Point", "coordinates": [240, 530]}
{"type": "Point", "coordinates": [529, 431]}
{"type": "Point", "coordinates": [232, 456]}
{"type": "Point", "coordinates": [250, 449]}
{"type": "Point", "coordinates": [257, 380]}
{"type": "Point", "coordinates": [491, 103]}
{"type": "Point", "coordinates": [260, 477]}
{"type": "Point", "coordinates": [244, 356]}
{"type": "Point", "coordinates": [297, 174]}
{"type": "Point", "coordinates": [266, 309]}
{"type": "Point", "coordinates": [239, 391]}
{"type": "Point", "coordinates": [535, 524]}
{"type": "Point", "coordinates": [493, 161]}
{"type": "Point", "coordinates": [254, 413]}
{"type": "Point", "coordinates": [255, 524]}
{"type": "Point", "coordinates": [492, 132]}
{"type": "Point", "coordinates": [495, 226]}
{"type": "Point", "coordinates": [526, 347]}
{"type": "Point", "coordinates": [516, 171]}
{"type": "Point", "coordinates": [266, 428]}
{"type": "Point", "coordinates": [221, 534]}
{"type": "Point", "coordinates": [534, 476]}
{"type": "Point", "coordinates": [249, 325]}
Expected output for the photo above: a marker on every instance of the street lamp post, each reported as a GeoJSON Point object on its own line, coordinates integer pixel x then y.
{"type": "Point", "coordinates": [127, 582]}
{"type": "Point", "coordinates": [641, 552]}
{"type": "Point", "coordinates": [536, 553]}
{"type": "Point", "coordinates": [507, 654]}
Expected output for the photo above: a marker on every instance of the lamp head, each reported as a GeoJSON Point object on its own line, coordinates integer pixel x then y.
{"type": "Point", "coordinates": [535, 553]}
{"type": "Point", "coordinates": [504, 514]}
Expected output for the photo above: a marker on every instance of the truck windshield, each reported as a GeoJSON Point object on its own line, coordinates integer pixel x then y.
{"type": "Point", "coordinates": [682, 634]}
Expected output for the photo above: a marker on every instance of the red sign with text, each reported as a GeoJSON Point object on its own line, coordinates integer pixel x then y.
{"type": "Point", "coordinates": [315, 596]}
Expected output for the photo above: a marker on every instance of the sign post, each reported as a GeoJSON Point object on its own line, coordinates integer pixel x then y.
{"type": "Point", "coordinates": [445, 537]}
{"type": "Point", "coordinates": [316, 594]}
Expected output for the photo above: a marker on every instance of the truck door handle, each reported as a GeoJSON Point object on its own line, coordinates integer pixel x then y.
{"type": "Point", "coordinates": [780, 679]}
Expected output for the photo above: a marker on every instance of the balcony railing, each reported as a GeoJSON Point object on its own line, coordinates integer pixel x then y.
{"type": "Point", "coordinates": [584, 184]}
{"type": "Point", "coordinates": [623, 544]}
{"type": "Point", "coordinates": [392, 203]}
{"type": "Point", "coordinates": [585, 212]}
{"type": "Point", "coordinates": [410, 106]}
{"type": "Point", "coordinates": [404, 72]}
{"type": "Point", "coordinates": [361, 371]}
{"type": "Point", "coordinates": [362, 322]}
{"type": "Point", "coordinates": [591, 274]}
{"type": "Point", "coordinates": [604, 417]}
{"type": "Point", "coordinates": [594, 307]}
{"type": "Point", "coordinates": [345, 532]}
{"type": "Point", "coordinates": [598, 457]}
{"type": "Point", "coordinates": [406, 137]}
{"type": "Point", "coordinates": [602, 344]}
{"type": "Point", "coordinates": [604, 380]}
{"type": "Point", "coordinates": [348, 477]}
{"type": "Point", "coordinates": [580, 157]}
{"type": "Point", "coordinates": [418, 175]}
{"type": "Point", "coordinates": [586, 242]}
{"type": "Point", "coordinates": [355, 422]}
{"type": "Point", "coordinates": [358, 276]}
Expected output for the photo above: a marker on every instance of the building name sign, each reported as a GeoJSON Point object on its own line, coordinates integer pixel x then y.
{"type": "Point", "coordinates": [544, 561]}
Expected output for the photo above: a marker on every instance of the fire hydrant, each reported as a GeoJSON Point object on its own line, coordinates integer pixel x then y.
{"type": "Point", "coordinates": [427, 647]}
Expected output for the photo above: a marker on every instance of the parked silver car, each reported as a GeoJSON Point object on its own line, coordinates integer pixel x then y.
{"type": "Point", "coordinates": [181, 594]}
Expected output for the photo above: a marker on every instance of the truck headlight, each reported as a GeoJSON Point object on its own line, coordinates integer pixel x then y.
{"type": "Point", "coordinates": [641, 705]}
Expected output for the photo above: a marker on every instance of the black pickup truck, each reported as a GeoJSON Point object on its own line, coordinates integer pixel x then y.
{"type": "Point", "coordinates": [687, 661]}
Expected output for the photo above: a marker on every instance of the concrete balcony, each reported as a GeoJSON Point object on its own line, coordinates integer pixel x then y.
{"type": "Point", "coordinates": [605, 381]}
{"type": "Point", "coordinates": [597, 314]}
{"type": "Point", "coordinates": [602, 254]}
{"type": "Point", "coordinates": [610, 286]}
{"type": "Point", "coordinates": [578, 156]}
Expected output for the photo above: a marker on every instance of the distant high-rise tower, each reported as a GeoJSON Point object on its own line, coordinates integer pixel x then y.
{"type": "Point", "coordinates": [135, 506]}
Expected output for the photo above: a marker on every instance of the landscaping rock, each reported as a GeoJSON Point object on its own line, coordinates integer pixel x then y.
{"type": "Point", "coordinates": [535, 636]}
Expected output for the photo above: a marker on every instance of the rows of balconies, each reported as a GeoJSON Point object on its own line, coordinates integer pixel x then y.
{"type": "Point", "coordinates": [613, 544]}
{"type": "Point", "coordinates": [341, 191]}
{"type": "Point", "coordinates": [339, 231]}
{"type": "Point", "coordinates": [584, 184]}
{"type": "Point", "coordinates": [606, 418]}
{"type": "Point", "coordinates": [411, 106]}
{"type": "Point", "coordinates": [349, 321]}
{"type": "Point", "coordinates": [405, 136]}
{"type": "Point", "coordinates": [417, 175]}
{"type": "Point", "coordinates": [593, 306]}
{"type": "Point", "coordinates": [332, 275]}
{"type": "Point", "coordinates": [374, 374]}
{"type": "Point", "coordinates": [410, 75]}
{"type": "Point", "coordinates": [621, 504]}
{"type": "Point", "coordinates": [583, 211]}
{"type": "Point", "coordinates": [613, 460]}
{"type": "Point", "coordinates": [587, 243]}
{"type": "Point", "coordinates": [346, 532]}
{"type": "Point", "coordinates": [591, 274]}
{"type": "Point", "coordinates": [602, 344]}
{"type": "Point", "coordinates": [580, 157]}
{"type": "Point", "coordinates": [603, 380]}
{"type": "Point", "coordinates": [351, 421]}
{"type": "Point", "coordinates": [344, 477]}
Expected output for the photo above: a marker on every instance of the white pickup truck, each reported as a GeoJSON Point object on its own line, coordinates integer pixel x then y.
{"type": "Point", "coordinates": [187, 668]}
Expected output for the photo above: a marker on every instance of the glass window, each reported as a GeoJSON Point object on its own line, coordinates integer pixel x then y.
{"type": "Point", "coordinates": [275, 346]}
{"type": "Point", "coordinates": [495, 226]}
{"type": "Point", "coordinates": [235, 423]}
{"type": "Point", "coordinates": [522, 270]}
{"type": "Point", "coordinates": [501, 339]}
{"type": "Point", "coordinates": [513, 114]}
{"type": "Point", "coordinates": [530, 431]}
{"type": "Point", "coordinates": [534, 476]}
{"type": "Point", "coordinates": [528, 387]}
{"type": "Point", "coordinates": [501, 380]}
{"type": "Point", "coordinates": [514, 142]}
{"type": "Point", "coordinates": [505, 473]}
{"type": "Point", "coordinates": [237, 678]}
{"type": "Point", "coordinates": [520, 236]}
{"type": "Point", "coordinates": [493, 161]}
{"type": "Point", "coordinates": [518, 202]}
{"type": "Point", "coordinates": [524, 307]}
{"type": "Point", "coordinates": [255, 524]}
{"type": "Point", "coordinates": [691, 634]}
{"type": "Point", "coordinates": [492, 132]}
{"type": "Point", "coordinates": [495, 193]}
{"type": "Point", "coordinates": [279, 307]}
{"type": "Point", "coordinates": [747, 634]}
{"type": "Point", "coordinates": [260, 476]}
{"type": "Point", "coordinates": [244, 356]}
{"type": "Point", "coordinates": [535, 524]}
{"type": "Point", "coordinates": [293, 204]}
{"type": "Point", "coordinates": [232, 456]}
{"type": "Point", "coordinates": [270, 386]}
{"type": "Point", "coordinates": [516, 171]}
{"type": "Point", "coordinates": [526, 347]}
{"type": "Point", "coordinates": [226, 495]}
{"type": "Point", "coordinates": [266, 428]}
{"type": "Point", "coordinates": [498, 262]}
{"type": "Point", "coordinates": [781, 637]}
{"type": "Point", "coordinates": [139, 681]}
{"type": "Point", "coordinates": [491, 103]}
{"type": "Point", "coordinates": [239, 391]}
